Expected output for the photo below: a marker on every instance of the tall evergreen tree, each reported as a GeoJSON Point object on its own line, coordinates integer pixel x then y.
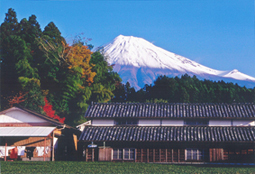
{"type": "Point", "coordinates": [9, 77]}
{"type": "Point", "coordinates": [10, 26]}
{"type": "Point", "coordinates": [53, 32]}
{"type": "Point", "coordinates": [17, 61]}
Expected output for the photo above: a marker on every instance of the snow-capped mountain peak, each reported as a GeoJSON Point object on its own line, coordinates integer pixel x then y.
{"type": "Point", "coordinates": [140, 62]}
{"type": "Point", "coordinates": [129, 50]}
{"type": "Point", "coordinates": [235, 74]}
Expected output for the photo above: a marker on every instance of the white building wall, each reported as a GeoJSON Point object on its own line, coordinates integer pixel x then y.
{"type": "Point", "coordinates": [102, 122]}
{"type": "Point", "coordinates": [163, 122]}
{"type": "Point", "coordinates": [149, 122]}
{"type": "Point", "coordinates": [172, 122]}
{"type": "Point", "coordinates": [231, 123]}
{"type": "Point", "coordinates": [252, 123]}
{"type": "Point", "coordinates": [219, 122]}
{"type": "Point", "coordinates": [19, 116]}
{"type": "Point", "coordinates": [243, 123]}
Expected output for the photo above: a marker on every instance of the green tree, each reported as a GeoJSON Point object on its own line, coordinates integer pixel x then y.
{"type": "Point", "coordinates": [10, 26]}
{"type": "Point", "coordinates": [105, 79]}
{"type": "Point", "coordinates": [8, 29]}
{"type": "Point", "coordinates": [35, 96]}
{"type": "Point", "coordinates": [53, 32]}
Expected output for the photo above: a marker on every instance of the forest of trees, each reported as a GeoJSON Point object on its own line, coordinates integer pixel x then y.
{"type": "Point", "coordinates": [42, 72]}
{"type": "Point", "coordinates": [185, 89]}
{"type": "Point", "coordinates": [40, 68]}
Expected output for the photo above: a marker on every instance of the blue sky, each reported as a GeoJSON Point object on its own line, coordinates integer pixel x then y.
{"type": "Point", "coordinates": [217, 34]}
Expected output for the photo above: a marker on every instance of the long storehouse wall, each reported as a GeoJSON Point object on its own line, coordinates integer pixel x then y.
{"type": "Point", "coordinates": [175, 122]}
{"type": "Point", "coordinates": [170, 154]}
{"type": "Point", "coordinates": [169, 132]}
{"type": "Point", "coordinates": [170, 143]}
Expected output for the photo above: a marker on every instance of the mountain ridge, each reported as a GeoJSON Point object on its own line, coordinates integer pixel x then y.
{"type": "Point", "coordinates": [141, 62]}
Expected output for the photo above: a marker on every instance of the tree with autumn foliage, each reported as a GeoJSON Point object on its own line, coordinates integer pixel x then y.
{"type": "Point", "coordinates": [47, 108]}
{"type": "Point", "coordinates": [79, 78]}
{"type": "Point", "coordinates": [16, 99]}
{"type": "Point", "coordinates": [77, 60]}
{"type": "Point", "coordinates": [70, 73]}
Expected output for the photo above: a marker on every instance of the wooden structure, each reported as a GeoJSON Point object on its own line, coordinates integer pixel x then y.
{"type": "Point", "coordinates": [37, 137]}
{"type": "Point", "coordinates": [169, 133]}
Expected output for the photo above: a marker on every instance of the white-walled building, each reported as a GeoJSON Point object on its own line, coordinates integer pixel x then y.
{"type": "Point", "coordinates": [169, 132]}
{"type": "Point", "coordinates": [37, 137]}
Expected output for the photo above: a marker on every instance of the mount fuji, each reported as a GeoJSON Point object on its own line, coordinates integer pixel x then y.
{"type": "Point", "coordinates": [139, 62]}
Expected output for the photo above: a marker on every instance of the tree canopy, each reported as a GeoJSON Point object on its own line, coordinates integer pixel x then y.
{"type": "Point", "coordinates": [186, 89]}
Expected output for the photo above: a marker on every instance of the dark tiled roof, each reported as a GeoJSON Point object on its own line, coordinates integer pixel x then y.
{"type": "Point", "coordinates": [169, 134]}
{"type": "Point", "coordinates": [170, 110]}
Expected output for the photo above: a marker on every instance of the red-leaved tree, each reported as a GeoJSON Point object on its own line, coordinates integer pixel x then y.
{"type": "Point", "coordinates": [47, 108]}
{"type": "Point", "coordinates": [17, 99]}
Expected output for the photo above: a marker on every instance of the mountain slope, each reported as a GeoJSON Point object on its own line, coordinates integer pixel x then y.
{"type": "Point", "coordinates": [140, 62]}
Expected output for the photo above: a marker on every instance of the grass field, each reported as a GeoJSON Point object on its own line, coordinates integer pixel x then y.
{"type": "Point", "coordinates": [109, 167]}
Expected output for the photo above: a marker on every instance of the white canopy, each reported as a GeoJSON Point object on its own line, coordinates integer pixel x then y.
{"type": "Point", "coordinates": [25, 131]}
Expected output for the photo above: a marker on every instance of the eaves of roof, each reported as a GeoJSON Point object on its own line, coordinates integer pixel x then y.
{"type": "Point", "coordinates": [168, 134]}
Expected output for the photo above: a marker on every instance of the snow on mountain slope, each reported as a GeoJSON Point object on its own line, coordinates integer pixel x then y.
{"type": "Point", "coordinates": [235, 74]}
{"type": "Point", "coordinates": [140, 62]}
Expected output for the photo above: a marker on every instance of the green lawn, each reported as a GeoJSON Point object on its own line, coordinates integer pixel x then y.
{"type": "Point", "coordinates": [109, 167]}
